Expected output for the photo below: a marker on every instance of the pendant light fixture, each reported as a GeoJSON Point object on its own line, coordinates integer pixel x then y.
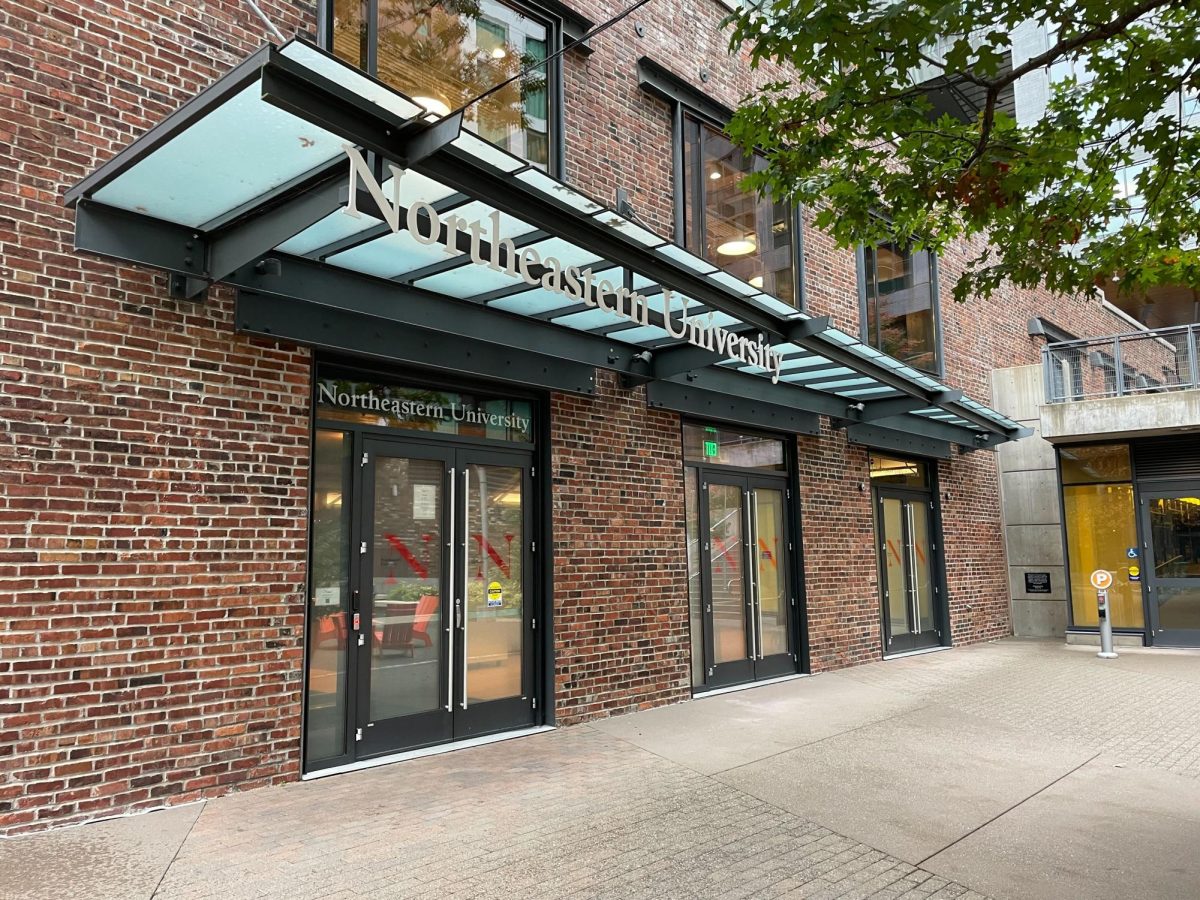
{"type": "Point", "coordinates": [738, 246]}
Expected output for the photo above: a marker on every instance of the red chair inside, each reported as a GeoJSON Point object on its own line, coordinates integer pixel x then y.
{"type": "Point", "coordinates": [426, 607]}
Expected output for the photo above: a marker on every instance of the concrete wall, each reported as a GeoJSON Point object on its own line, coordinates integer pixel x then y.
{"type": "Point", "coordinates": [1138, 415]}
{"type": "Point", "coordinates": [1029, 500]}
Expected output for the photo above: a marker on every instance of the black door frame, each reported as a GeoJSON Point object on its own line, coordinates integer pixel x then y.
{"type": "Point", "coordinates": [454, 719]}
{"type": "Point", "coordinates": [366, 738]}
{"type": "Point", "coordinates": [937, 563]}
{"type": "Point", "coordinates": [539, 513]}
{"type": "Point", "coordinates": [749, 670]}
{"type": "Point", "coordinates": [489, 717]}
{"type": "Point", "coordinates": [1149, 490]}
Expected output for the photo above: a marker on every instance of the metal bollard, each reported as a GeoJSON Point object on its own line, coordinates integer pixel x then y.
{"type": "Point", "coordinates": [1106, 642]}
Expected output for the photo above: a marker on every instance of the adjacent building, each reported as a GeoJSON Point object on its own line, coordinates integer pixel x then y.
{"type": "Point", "coordinates": [1112, 480]}
{"type": "Point", "coordinates": [349, 416]}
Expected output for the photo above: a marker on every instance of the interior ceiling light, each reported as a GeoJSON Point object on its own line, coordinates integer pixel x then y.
{"type": "Point", "coordinates": [433, 105]}
{"type": "Point", "coordinates": [499, 53]}
{"type": "Point", "coordinates": [756, 281]}
{"type": "Point", "coordinates": [715, 175]}
{"type": "Point", "coordinates": [737, 247]}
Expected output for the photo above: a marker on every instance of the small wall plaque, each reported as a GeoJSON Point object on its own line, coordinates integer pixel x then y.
{"type": "Point", "coordinates": [1037, 582]}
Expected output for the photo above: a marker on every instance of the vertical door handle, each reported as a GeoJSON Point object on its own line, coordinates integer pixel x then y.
{"type": "Point", "coordinates": [912, 568]}
{"type": "Point", "coordinates": [756, 558]}
{"type": "Point", "coordinates": [448, 586]}
{"type": "Point", "coordinates": [751, 574]}
{"type": "Point", "coordinates": [466, 539]}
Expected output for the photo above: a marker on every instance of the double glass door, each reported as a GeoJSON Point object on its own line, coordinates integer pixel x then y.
{"type": "Point", "coordinates": [438, 625]}
{"type": "Point", "coordinates": [746, 599]}
{"type": "Point", "coordinates": [1171, 543]}
{"type": "Point", "coordinates": [907, 567]}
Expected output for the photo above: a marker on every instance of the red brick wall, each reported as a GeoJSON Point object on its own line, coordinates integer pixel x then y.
{"type": "Point", "coordinates": [620, 571]}
{"type": "Point", "coordinates": [838, 535]}
{"type": "Point", "coordinates": [153, 465]}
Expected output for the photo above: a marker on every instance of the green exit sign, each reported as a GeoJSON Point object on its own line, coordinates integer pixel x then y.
{"type": "Point", "coordinates": [711, 448]}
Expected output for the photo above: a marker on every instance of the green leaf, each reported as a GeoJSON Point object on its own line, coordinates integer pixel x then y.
{"type": "Point", "coordinates": [852, 135]}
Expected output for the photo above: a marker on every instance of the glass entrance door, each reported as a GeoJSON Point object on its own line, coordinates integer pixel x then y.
{"type": "Point", "coordinates": [401, 609]}
{"type": "Point", "coordinates": [910, 610]}
{"type": "Point", "coordinates": [1171, 541]}
{"type": "Point", "coordinates": [440, 623]}
{"type": "Point", "coordinates": [493, 616]}
{"type": "Point", "coordinates": [746, 602]}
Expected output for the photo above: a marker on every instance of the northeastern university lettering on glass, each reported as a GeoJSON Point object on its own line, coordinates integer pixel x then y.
{"type": "Point", "coordinates": [424, 409]}
{"type": "Point", "coordinates": [427, 226]}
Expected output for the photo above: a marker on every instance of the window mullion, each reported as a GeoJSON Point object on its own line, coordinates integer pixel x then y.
{"type": "Point", "coordinates": [700, 197]}
{"type": "Point", "coordinates": [372, 49]}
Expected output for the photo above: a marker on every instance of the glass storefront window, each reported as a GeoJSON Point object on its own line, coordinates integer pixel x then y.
{"type": "Point", "coordinates": [445, 54]}
{"type": "Point", "coordinates": [329, 597]}
{"type": "Point", "coordinates": [901, 472]}
{"type": "Point", "coordinates": [1175, 532]}
{"type": "Point", "coordinates": [1095, 464]}
{"type": "Point", "coordinates": [1098, 515]}
{"type": "Point", "coordinates": [1100, 530]}
{"type": "Point", "coordinates": [748, 236]}
{"type": "Point", "coordinates": [350, 33]}
{"type": "Point", "coordinates": [901, 306]}
{"type": "Point", "coordinates": [712, 444]}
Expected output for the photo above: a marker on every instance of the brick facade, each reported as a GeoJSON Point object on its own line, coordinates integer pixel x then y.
{"type": "Point", "coordinates": [154, 463]}
{"type": "Point", "coordinates": [620, 571]}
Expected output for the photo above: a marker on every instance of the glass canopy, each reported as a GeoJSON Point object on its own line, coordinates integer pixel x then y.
{"type": "Point", "coordinates": [256, 169]}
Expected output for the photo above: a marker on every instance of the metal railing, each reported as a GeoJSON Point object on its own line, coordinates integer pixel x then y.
{"type": "Point", "coordinates": [1140, 362]}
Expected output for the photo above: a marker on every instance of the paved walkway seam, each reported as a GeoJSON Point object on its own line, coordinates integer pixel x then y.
{"type": "Point", "coordinates": [1000, 815]}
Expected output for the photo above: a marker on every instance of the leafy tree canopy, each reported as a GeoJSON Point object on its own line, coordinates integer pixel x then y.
{"type": "Point", "coordinates": [857, 136]}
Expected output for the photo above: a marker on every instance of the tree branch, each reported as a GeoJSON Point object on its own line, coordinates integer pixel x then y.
{"type": "Point", "coordinates": [1099, 33]}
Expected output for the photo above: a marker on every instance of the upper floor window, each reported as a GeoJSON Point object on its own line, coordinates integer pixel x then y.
{"type": "Point", "coordinates": [900, 312]}
{"type": "Point", "coordinates": [746, 236]}
{"type": "Point", "coordinates": [444, 54]}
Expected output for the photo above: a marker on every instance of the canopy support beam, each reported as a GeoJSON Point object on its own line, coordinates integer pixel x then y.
{"type": "Point", "coordinates": [898, 441]}
{"type": "Point", "coordinates": [870, 411]}
{"type": "Point", "coordinates": [708, 405]}
{"type": "Point", "coordinates": [328, 286]}
{"type": "Point", "coordinates": [249, 238]}
{"type": "Point", "coordinates": [330, 328]}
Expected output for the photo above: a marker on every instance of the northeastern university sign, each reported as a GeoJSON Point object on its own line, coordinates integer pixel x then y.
{"type": "Point", "coordinates": [428, 227]}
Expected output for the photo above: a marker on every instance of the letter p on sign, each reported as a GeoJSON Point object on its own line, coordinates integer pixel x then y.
{"type": "Point", "coordinates": [1102, 579]}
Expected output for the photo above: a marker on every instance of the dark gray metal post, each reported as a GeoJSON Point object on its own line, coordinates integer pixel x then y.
{"type": "Point", "coordinates": [1193, 366]}
{"type": "Point", "coordinates": [1047, 377]}
{"type": "Point", "coordinates": [1118, 366]}
{"type": "Point", "coordinates": [1106, 637]}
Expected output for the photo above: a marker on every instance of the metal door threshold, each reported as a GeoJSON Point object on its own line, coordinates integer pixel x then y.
{"type": "Point", "coordinates": [748, 685]}
{"type": "Point", "coordinates": [920, 652]}
{"type": "Point", "coordinates": [426, 751]}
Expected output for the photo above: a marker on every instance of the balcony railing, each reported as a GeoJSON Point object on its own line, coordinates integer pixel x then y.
{"type": "Point", "coordinates": [1141, 362]}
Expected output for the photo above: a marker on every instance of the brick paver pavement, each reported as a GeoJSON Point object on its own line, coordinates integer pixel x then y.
{"type": "Point", "coordinates": [1143, 708]}
{"type": "Point", "coordinates": [574, 813]}
{"type": "Point", "coordinates": [581, 813]}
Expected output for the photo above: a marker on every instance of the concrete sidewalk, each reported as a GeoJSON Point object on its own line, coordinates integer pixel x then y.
{"type": "Point", "coordinates": [1012, 770]}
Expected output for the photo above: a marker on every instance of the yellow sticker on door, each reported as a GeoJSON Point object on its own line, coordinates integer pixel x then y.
{"type": "Point", "coordinates": [495, 595]}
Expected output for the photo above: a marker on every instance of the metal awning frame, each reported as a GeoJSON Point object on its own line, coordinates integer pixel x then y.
{"type": "Point", "coordinates": [239, 248]}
